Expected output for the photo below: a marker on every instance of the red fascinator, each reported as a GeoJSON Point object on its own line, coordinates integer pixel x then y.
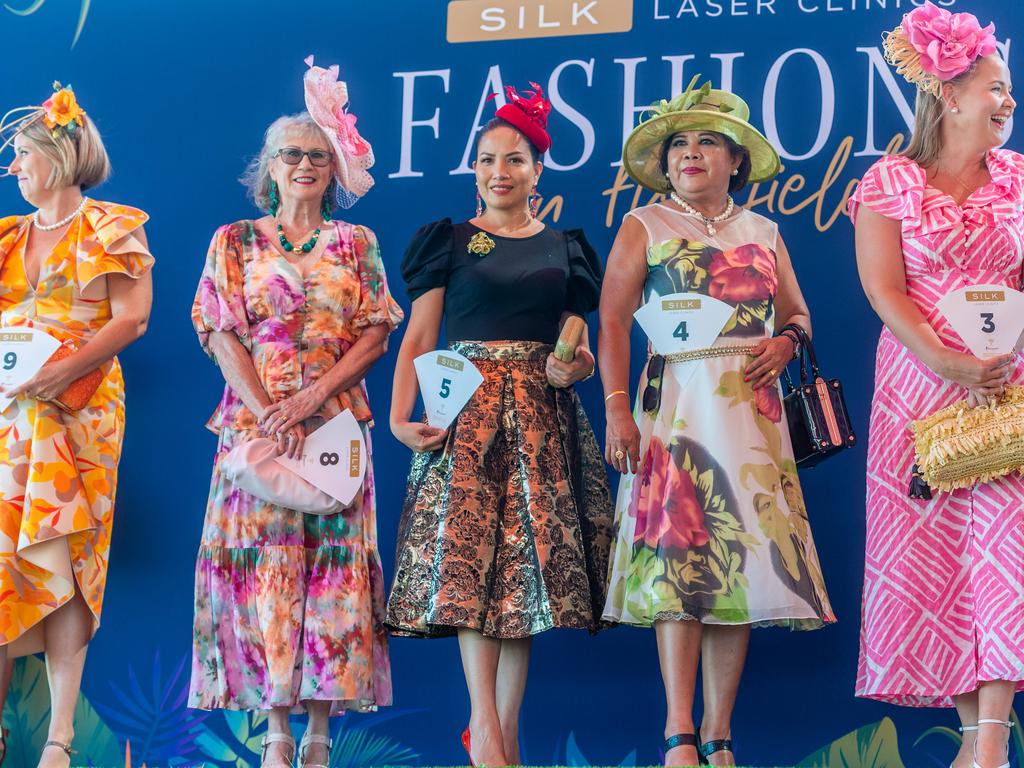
{"type": "Point", "coordinates": [529, 115]}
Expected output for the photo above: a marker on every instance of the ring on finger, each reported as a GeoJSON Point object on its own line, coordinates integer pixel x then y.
{"type": "Point", "coordinates": [619, 455]}
{"type": "Point", "coordinates": [773, 372]}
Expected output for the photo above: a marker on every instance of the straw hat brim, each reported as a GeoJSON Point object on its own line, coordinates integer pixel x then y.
{"type": "Point", "coordinates": [641, 155]}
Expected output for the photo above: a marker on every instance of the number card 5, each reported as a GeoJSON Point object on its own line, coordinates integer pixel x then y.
{"type": "Point", "coordinates": [334, 458]}
{"type": "Point", "coordinates": [447, 381]}
{"type": "Point", "coordinates": [680, 322]}
{"type": "Point", "coordinates": [989, 318]}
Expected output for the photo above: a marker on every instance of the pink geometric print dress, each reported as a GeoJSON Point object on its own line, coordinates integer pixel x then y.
{"type": "Point", "coordinates": [943, 603]}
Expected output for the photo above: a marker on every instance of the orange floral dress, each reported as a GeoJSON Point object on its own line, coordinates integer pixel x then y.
{"type": "Point", "coordinates": [58, 471]}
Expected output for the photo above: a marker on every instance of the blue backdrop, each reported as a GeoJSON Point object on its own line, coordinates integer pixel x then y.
{"type": "Point", "coordinates": [182, 92]}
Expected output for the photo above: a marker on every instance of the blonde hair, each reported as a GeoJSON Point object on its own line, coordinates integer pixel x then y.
{"type": "Point", "coordinates": [926, 141]}
{"type": "Point", "coordinates": [79, 159]}
{"type": "Point", "coordinates": [256, 178]}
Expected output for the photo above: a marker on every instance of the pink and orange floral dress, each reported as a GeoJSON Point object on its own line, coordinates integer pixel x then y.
{"type": "Point", "coordinates": [943, 603]}
{"type": "Point", "coordinates": [289, 607]}
{"type": "Point", "coordinates": [713, 527]}
{"type": "Point", "coordinates": [58, 471]}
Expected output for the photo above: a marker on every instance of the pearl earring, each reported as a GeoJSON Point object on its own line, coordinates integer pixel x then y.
{"type": "Point", "coordinates": [735, 171]}
{"type": "Point", "coordinates": [955, 110]}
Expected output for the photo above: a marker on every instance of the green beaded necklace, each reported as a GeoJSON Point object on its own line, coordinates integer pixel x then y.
{"type": "Point", "coordinates": [289, 246]}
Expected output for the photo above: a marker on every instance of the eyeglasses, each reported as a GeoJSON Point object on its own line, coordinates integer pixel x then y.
{"type": "Point", "coordinates": [293, 156]}
{"type": "Point", "coordinates": [651, 399]}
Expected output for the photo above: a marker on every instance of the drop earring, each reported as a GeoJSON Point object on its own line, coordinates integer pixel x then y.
{"type": "Point", "coordinates": [479, 204]}
{"type": "Point", "coordinates": [534, 202]}
{"type": "Point", "coordinates": [274, 197]}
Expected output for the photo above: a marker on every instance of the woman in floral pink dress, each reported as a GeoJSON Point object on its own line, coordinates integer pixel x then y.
{"type": "Point", "coordinates": [295, 309]}
{"type": "Point", "coordinates": [712, 535]}
{"type": "Point", "coordinates": [943, 615]}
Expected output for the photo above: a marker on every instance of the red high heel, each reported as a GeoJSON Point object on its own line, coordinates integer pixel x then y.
{"type": "Point", "coordinates": [465, 745]}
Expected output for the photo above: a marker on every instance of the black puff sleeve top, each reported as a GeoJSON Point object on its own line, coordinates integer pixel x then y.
{"type": "Point", "coordinates": [516, 292]}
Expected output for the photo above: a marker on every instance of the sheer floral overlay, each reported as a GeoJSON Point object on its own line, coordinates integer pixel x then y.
{"type": "Point", "coordinates": [713, 526]}
{"type": "Point", "coordinates": [506, 529]}
{"type": "Point", "coordinates": [289, 607]}
{"type": "Point", "coordinates": [58, 471]}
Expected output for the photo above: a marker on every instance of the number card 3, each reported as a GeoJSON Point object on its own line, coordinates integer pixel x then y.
{"type": "Point", "coordinates": [447, 381]}
{"type": "Point", "coordinates": [334, 458]}
{"type": "Point", "coordinates": [23, 351]}
{"type": "Point", "coordinates": [989, 318]}
{"type": "Point", "coordinates": [680, 322]}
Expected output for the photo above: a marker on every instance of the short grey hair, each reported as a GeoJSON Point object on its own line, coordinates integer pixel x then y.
{"type": "Point", "coordinates": [256, 178]}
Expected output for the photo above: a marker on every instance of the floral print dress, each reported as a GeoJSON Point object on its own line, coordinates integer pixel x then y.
{"type": "Point", "coordinates": [58, 471]}
{"type": "Point", "coordinates": [289, 607]}
{"type": "Point", "coordinates": [713, 527]}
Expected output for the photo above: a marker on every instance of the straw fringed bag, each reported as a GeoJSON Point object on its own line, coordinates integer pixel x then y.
{"type": "Point", "coordinates": [960, 446]}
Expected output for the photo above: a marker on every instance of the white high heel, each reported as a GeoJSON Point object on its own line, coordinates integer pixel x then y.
{"type": "Point", "coordinates": [1005, 724]}
{"type": "Point", "coordinates": [313, 738]}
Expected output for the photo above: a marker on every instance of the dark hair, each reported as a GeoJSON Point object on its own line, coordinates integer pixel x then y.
{"type": "Point", "coordinates": [500, 122]}
{"type": "Point", "coordinates": [737, 182]}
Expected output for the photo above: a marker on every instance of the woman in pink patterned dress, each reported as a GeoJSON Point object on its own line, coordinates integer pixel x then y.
{"type": "Point", "coordinates": [943, 618]}
{"type": "Point", "coordinates": [294, 308]}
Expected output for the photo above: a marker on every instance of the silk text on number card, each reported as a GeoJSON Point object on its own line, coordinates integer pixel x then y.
{"type": "Point", "coordinates": [447, 381]}
{"type": "Point", "coordinates": [681, 322]}
{"type": "Point", "coordinates": [334, 458]}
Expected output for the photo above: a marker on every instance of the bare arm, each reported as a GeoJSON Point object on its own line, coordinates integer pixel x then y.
{"type": "Point", "coordinates": [882, 274]}
{"type": "Point", "coordinates": [130, 302]}
{"type": "Point", "coordinates": [771, 356]}
{"type": "Point", "coordinates": [620, 297]}
{"type": "Point", "coordinates": [420, 337]}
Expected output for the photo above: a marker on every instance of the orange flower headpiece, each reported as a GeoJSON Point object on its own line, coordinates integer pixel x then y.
{"type": "Point", "coordinates": [60, 113]}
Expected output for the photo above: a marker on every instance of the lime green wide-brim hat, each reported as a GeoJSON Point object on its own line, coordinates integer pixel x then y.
{"type": "Point", "coordinates": [695, 109]}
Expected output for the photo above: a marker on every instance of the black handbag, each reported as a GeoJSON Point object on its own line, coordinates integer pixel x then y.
{"type": "Point", "coordinates": [819, 424]}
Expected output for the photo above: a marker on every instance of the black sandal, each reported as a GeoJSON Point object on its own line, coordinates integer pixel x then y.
{"type": "Point", "coordinates": [682, 740]}
{"type": "Point", "coordinates": [709, 748]}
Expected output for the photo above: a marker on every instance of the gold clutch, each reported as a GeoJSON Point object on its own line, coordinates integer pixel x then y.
{"type": "Point", "coordinates": [961, 446]}
{"type": "Point", "coordinates": [569, 338]}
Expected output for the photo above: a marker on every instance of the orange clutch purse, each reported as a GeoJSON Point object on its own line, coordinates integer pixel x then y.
{"type": "Point", "coordinates": [80, 391]}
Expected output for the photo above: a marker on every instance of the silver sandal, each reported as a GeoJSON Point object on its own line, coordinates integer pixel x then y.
{"type": "Point", "coordinates": [1005, 724]}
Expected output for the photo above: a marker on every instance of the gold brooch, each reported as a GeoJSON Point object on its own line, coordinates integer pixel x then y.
{"type": "Point", "coordinates": [480, 244]}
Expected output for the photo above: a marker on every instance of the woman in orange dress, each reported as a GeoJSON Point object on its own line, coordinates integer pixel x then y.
{"type": "Point", "coordinates": [78, 269]}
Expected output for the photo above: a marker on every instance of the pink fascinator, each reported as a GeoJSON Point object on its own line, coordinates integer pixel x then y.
{"type": "Point", "coordinates": [932, 46]}
{"type": "Point", "coordinates": [326, 101]}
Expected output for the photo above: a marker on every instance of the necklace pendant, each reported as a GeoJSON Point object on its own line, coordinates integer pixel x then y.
{"type": "Point", "coordinates": [711, 230]}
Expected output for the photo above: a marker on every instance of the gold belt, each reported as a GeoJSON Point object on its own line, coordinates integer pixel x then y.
{"type": "Point", "coordinates": [708, 352]}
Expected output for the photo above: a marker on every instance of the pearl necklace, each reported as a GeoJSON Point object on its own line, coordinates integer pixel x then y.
{"type": "Point", "coordinates": [63, 222]}
{"type": "Point", "coordinates": [709, 222]}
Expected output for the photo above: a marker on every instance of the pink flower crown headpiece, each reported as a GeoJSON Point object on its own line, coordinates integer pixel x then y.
{"type": "Point", "coordinates": [60, 113]}
{"type": "Point", "coordinates": [932, 46]}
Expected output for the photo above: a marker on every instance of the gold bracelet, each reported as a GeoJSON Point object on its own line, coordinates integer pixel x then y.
{"type": "Point", "coordinates": [616, 392]}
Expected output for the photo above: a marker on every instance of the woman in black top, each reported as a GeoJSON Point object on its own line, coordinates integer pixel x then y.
{"type": "Point", "coordinates": [507, 518]}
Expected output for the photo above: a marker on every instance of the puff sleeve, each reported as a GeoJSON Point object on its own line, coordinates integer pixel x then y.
{"type": "Point", "coordinates": [108, 242]}
{"type": "Point", "coordinates": [219, 304]}
{"type": "Point", "coordinates": [428, 259]}
{"type": "Point", "coordinates": [893, 187]}
{"type": "Point", "coordinates": [376, 306]}
{"type": "Point", "coordinates": [585, 273]}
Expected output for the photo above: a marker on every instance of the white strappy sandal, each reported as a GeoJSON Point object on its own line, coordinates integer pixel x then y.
{"type": "Point", "coordinates": [984, 721]}
{"type": "Point", "coordinates": [313, 738]}
{"type": "Point", "coordinates": [277, 738]}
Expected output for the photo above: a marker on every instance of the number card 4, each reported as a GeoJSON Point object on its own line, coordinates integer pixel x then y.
{"type": "Point", "coordinates": [989, 318]}
{"type": "Point", "coordinates": [447, 381]}
{"type": "Point", "coordinates": [680, 322]}
{"type": "Point", "coordinates": [334, 458]}
{"type": "Point", "coordinates": [23, 351]}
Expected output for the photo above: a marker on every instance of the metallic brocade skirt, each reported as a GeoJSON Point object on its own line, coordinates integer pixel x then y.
{"type": "Point", "coordinates": [506, 529]}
